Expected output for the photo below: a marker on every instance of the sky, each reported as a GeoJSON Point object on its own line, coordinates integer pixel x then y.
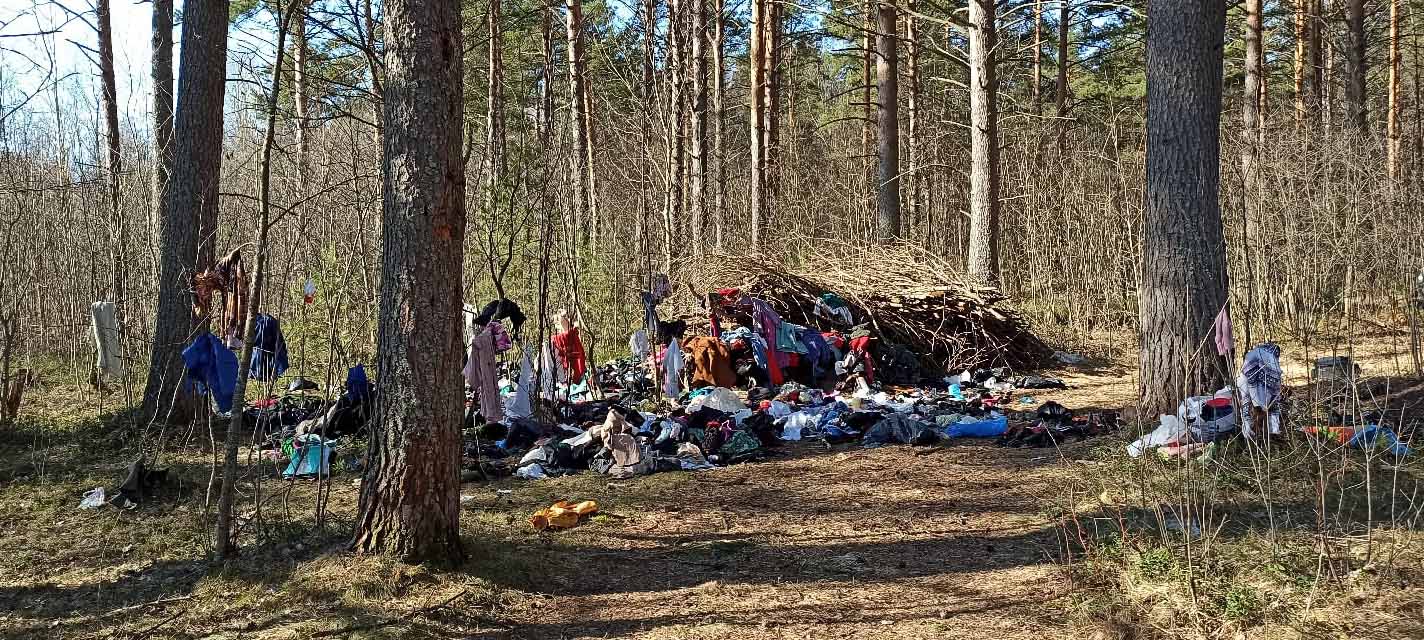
{"type": "Point", "coordinates": [131, 22]}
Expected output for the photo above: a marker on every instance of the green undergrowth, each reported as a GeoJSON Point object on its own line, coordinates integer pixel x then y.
{"type": "Point", "coordinates": [1307, 540]}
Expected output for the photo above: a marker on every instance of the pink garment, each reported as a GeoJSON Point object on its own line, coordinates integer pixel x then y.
{"type": "Point", "coordinates": [502, 343]}
{"type": "Point", "coordinates": [480, 375]}
{"type": "Point", "coordinates": [1225, 343]}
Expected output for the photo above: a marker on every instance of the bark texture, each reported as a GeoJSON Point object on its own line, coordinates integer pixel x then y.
{"type": "Point", "coordinates": [185, 230]}
{"type": "Point", "coordinates": [114, 166]}
{"type": "Point", "coordinates": [1356, 111]}
{"type": "Point", "coordinates": [887, 217]}
{"type": "Point", "coordinates": [410, 498]}
{"type": "Point", "coordinates": [1183, 283]}
{"type": "Point", "coordinates": [984, 144]}
{"type": "Point", "coordinates": [757, 93]}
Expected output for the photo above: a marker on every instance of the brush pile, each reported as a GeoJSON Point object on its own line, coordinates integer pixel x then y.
{"type": "Point", "coordinates": [906, 295]}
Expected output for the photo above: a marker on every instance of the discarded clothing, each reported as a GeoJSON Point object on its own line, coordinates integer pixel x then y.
{"type": "Point", "coordinates": [672, 370]}
{"type": "Point", "coordinates": [313, 457]}
{"type": "Point", "coordinates": [500, 309]}
{"type": "Point", "coordinates": [212, 369]}
{"type": "Point", "coordinates": [897, 428]}
{"type": "Point", "coordinates": [710, 362]}
{"type": "Point", "coordinates": [638, 344]}
{"type": "Point", "coordinates": [106, 339]}
{"type": "Point", "coordinates": [269, 350]}
{"type": "Point", "coordinates": [229, 277]}
{"type": "Point", "coordinates": [571, 354]}
{"type": "Point", "coordinates": [481, 377]}
{"type": "Point", "coordinates": [519, 406]}
{"type": "Point", "coordinates": [1375, 435]}
{"type": "Point", "coordinates": [719, 398]}
{"type": "Point", "coordinates": [562, 515]}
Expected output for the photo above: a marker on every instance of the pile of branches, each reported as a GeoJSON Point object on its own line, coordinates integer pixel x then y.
{"type": "Point", "coordinates": [907, 296]}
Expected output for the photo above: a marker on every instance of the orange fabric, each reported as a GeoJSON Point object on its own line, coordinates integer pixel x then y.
{"type": "Point", "coordinates": [710, 362]}
{"type": "Point", "coordinates": [562, 514]}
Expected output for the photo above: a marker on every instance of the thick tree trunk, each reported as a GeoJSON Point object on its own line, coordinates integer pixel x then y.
{"type": "Point", "coordinates": [912, 104]}
{"type": "Point", "coordinates": [698, 35]}
{"type": "Point", "coordinates": [1356, 110]}
{"type": "Point", "coordinates": [410, 496]}
{"type": "Point", "coordinates": [114, 157]}
{"type": "Point", "coordinates": [984, 143]}
{"type": "Point", "coordinates": [1183, 284]}
{"type": "Point", "coordinates": [772, 123]}
{"type": "Point", "coordinates": [677, 133]}
{"type": "Point", "coordinates": [719, 67]}
{"type": "Point", "coordinates": [185, 232]}
{"type": "Point", "coordinates": [887, 219]}
{"type": "Point", "coordinates": [1395, 59]}
{"type": "Point", "coordinates": [757, 92]}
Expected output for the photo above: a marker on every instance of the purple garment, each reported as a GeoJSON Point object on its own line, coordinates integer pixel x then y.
{"type": "Point", "coordinates": [480, 375]}
{"type": "Point", "coordinates": [768, 322]}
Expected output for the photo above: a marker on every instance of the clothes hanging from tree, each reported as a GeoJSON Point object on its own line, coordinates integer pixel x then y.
{"type": "Point", "coordinates": [672, 366]}
{"type": "Point", "coordinates": [571, 353]}
{"type": "Point", "coordinates": [519, 403]}
{"type": "Point", "coordinates": [269, 350]}
{"type": "Point", "coordinates": [767, 323]}
{"type": "Point", "coordinates": [480, 375]}
{"type": "Point", "coordinates": [106, 338]}
{"type": "Point", "coordinates": [211, 368]}
{"type": "Point", "coordinates": [229, 277]}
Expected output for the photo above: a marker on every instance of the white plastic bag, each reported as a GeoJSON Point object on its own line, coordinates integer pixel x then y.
{"type": "Point", "coordinates": [93, 499]}
{"type": "Point", "coordinates": [1171, 427]}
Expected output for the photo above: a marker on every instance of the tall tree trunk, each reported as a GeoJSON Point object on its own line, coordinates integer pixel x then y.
{"type": "Point", "coordinates": [887, 219]}
{"type": "Point", "coordinates": [1037, 57]}
{"type": "Point", "coordinates": [772, 145]}
{"type": "Point", "coordinates": [984, 143]}
{"type": "Point", "coordinates": [1395, 58]}
{"type": "Point", "coordinates": [757, 93]}
{"type": "Point", "coordinates": [698, 36]}
{"type": "Point", "coordinates": [223, 538]}
{"type": "Point", "coordinates": [677, 133]}
{"type": "Point", "coordinates": [114, 161]}
{"type": "Point", "coordinates": [186, 231]}
{"type": "Point", "coordinates": [1356, 110]}
{"type": "Point", "coordinates": [410, 496]}
{"type": "Point", "coordinates": [1060, 95]}
{"type": "Point", "coordinates": [583, 210]}
{"type": "Point", "coordinates": [648, 95]}
{"type": "Point", "coordinates": [719, 67]}
{"type": "Point", "coordinates": [161, 77]}
{"type": "Point", "coordinates": [867, 98]}
{"type": "Point", "coordinates": [1251, 152]}
{"type": "Point", "coordinates": [1183, 283]}
{"type": "Point", "coordinates": [494, 111]}
{"type": "Point", "coordinates": [1304, 59]}
{"type": "Point", "coordinates": [912, 104]}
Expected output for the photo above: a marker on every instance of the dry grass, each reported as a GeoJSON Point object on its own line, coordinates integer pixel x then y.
{"type": "Point", "coordinates": [963, 541]}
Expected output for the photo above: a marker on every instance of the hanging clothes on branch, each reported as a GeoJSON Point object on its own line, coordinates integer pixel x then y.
{"type": "Point", "coordinates": [106, 339]}
{"type": "Point", "coordinates": [211, 368]}
{"type": "Point", "coordinates": [519, 406]}
{"type": "Point", "coordinates": [672, 365]}
{"type": "Point", "coordinates": [228, 277]}
{"type": "Point", "coordinates": [269, 352]}
{"type": "Point", "coordinates": [480, 375]}
{"type": "Point", "coordinates": [711, 363]}
{"type": "Point", "coordinates": [570, 349]}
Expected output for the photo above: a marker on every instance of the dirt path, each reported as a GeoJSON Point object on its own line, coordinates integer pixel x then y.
{"type": "Point", "coordinates": [886, 543]}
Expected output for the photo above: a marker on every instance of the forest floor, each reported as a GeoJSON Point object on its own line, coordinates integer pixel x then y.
{"type": "Point", "coordinates": [956, 541]}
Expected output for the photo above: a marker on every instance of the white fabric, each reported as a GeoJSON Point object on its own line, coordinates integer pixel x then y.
{"type": "Point", "coordinates": [518, 404]}
{"type": "Point", "coordinates": [672, 364]}
{"type": "Point", "coordinates": [106, 338]}
{"type": "Point", "coordinates": [638, 344]}
{"type": "Point", "coordinates": [796, 425]}
{"type": "Point", "coordinates": [548, 373]}
{"type": "Point", "coordinates": [1170, 429]}
{"type": "Point", "coordinates": [470, 314]}
{"type": "Point", "coordinates": [719, 398]}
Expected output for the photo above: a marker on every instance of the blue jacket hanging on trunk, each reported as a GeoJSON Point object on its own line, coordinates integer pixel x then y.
{"type": "Point", "coordinates": [211, 368]}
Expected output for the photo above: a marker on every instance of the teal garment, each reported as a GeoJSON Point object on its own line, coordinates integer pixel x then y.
{"type": "Point", "coordinates": [788, 338]}
{"type": "Point", "coordinates": [313, 457]}
{"type": "Point", "coordinates": [834, 301]}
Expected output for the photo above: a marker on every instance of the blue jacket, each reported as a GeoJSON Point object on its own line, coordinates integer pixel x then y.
{"type": "Point", "coordinates": [269, 353]}
{"type": "Point", "coordinates": [211, 368]}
